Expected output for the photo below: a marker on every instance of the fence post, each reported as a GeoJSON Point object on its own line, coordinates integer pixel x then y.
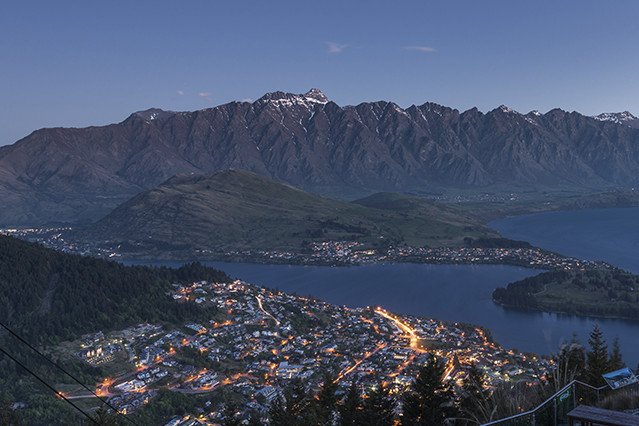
{"type": "Point", "coordinates": [534, 422]}
{"type": "Point", "coordinates": [554, 406]}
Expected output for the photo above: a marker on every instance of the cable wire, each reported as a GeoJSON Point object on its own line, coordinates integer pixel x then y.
{"type": "Point", "coordinates": [58, 393]}
{"type": "Point", "coordinates": [59, 367]}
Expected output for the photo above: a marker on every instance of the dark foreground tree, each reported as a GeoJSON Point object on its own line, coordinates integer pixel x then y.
{"type": "Point", "coordinates": [616, 360]}
{"type": "Point", "coordinates": [476, 404]}
{"type": "Point", "coordinates": [379, 407]}
{"type": "Point", "coordinates": [350, 411]}
{"type": "Point", "coordinates": [570, 364]}
{"type": "Point", "coordinates": [430, 400]}
{"type": "Point", "coordinates": [597, 357]}
{"type": "Point", "coordinates": [326, 402]}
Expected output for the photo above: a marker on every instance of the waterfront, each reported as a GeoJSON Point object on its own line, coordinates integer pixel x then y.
{"type": "Point", "coordinates": [459, 293]}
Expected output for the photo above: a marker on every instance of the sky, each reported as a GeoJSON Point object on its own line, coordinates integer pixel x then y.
{"type": "Point", "coordinates": [81, 63]}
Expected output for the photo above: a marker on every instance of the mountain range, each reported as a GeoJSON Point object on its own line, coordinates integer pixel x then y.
{"type": "Point", "coordinates": [238, 210]}
{"type": "Point", "coordinates": [81, 174]}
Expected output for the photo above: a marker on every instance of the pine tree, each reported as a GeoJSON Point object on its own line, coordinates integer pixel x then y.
{"type": "Point", "coordinates": [296, 398]}
{"type": "Point", "coordinates": [570, 364]}
{"type": "Point", "coordinates": [476, 402]}
{"type": "Point", "coordinates": [326, 401]}
{"type": "Point", "coordinates": [278, 414]}
{"type": "Point", "coordinates": [430, 400]}
{"type": "Point", "coordinates": [616, 360]}
{"type": "Point", "coordinates": [597, 357]}
{"type": "Point", "coordinates": [379, 407]}
{"type": "Point", "coordinates": [294, 407]}
{"type": "Point", "coordinates": [350, 412]}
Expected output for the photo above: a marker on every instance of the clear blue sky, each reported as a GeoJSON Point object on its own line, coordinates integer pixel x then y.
{"type": "Point", "coordinates": [78, 63]}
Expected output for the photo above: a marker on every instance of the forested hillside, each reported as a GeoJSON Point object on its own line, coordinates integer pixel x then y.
{"type": "Point", "coordinates": [50, 295]}
{"type": "Point", "coordinates": [605, 292]}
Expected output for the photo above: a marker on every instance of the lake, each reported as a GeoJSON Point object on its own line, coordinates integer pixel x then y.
{"type": "Point", "coordinates": [611, 235]}
{"type": "Point", "coordinates": [461, 293]}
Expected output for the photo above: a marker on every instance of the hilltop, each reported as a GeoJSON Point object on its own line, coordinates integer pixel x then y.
{"type": "Point", "coordinates": [238, 210]}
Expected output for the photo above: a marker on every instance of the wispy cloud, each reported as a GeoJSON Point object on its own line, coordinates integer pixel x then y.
{"type": "Point", "coordinates": [426, 49]}
{"type": "Point", "coordinates": [180, 92]}
{"type": "Point", "coordinates": [332, 47]}
{"type": "Point", "coordinates": [206, 96]}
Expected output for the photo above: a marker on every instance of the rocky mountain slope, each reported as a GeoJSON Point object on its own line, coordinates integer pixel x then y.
{"type": "Point", "coordinates": [624, 118]}
{"type": "Point", "coordinates": [310, 142]}
{"type": "Point", "coordinates": [237, 210]}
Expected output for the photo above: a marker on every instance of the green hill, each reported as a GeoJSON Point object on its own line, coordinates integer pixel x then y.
{"type": "Point", "coordinates": [596, 292]}
{"type": "Point", "coordinates": [240, 210]}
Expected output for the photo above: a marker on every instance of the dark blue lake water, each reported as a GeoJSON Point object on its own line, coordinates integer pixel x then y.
{"type": "Point", "coordinates": [596, 234]}
{"type": "Point", "coordinates": [462, 293]}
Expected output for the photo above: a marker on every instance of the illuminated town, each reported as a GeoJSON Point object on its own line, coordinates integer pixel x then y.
{"type": "Point", "coordinates": [258, 340]}
{"type": "Point", "coordinates": [334, 253]}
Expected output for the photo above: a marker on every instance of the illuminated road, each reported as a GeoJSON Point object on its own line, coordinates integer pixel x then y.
{"type": "Point", "coordinates": [259, 302]}
{"type": "Point", "coordinates": [402, 326]}
{"type": "Point", "coordinates": [353, 367]}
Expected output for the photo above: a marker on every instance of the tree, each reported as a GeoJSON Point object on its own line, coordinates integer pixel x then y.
{"type": "Point", "coordinates": [107, 418]}
{"type": "Point", "coordinates": [597, 357]}
{"type": "Point", "coordinates": [255, 420]}
{"type": "Point", "coordinates": [231, 417]}
{"type": "Point", "coordinates": [350, 412]}
{"type": "Point", "coordinates": [292, 408]}
{"type": "Point", "coordinates": [278, 414]}
{"type": "Point", "coordinates": [379, 407]}
{"type": "Point", "coordinates": [430, 400]}
{"type": "Point", "coordinates": [616, 360]}
{"type": "Point", "coordinates": [326, 401]}
{"type": "Point", "coordinates": [477, 403]}
{"type": "Point", "coordinates": [570, 364]}
{"type": "Point", "coordinates": [9, 416]}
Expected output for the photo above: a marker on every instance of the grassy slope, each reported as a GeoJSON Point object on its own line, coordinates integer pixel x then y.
{"type": "Point", "coordinates": [241, 210]}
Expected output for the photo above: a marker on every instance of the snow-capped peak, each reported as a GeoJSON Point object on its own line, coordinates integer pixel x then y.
{"type": "Point", "coordinates": [616, 117]}
{"type": "Point", "coordinates": [504, 108]}
{"type": "Point", "coordinates": [153, 114]}
{"type": "Point", "coordinates": [316, 95]}
{"type": "Point", "coordinates": [312, 97]}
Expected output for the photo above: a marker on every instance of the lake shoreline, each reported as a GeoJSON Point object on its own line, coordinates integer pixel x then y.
{"type": "Point", "coordinates": [568, 314]}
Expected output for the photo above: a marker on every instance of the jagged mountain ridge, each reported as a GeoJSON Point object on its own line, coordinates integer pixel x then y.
{"type": "Point", "coordinates": [70, 174]}
{"type": "Point", "coordinates": [624, 117]}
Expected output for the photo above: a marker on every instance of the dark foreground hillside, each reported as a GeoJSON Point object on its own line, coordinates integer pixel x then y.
{"type": "Point", "coordinates": [50, 295]}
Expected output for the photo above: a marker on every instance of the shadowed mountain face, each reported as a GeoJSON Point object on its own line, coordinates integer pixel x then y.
{"type": "Point", "coordinates": [241, 210]}
{"type": "Point", "coordinates": [306, 140]}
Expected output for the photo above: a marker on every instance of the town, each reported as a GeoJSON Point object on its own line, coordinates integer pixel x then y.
{"type": "Point", "coordinates": [258, 340]}
{"type": "Point", "coordinates": [328, 253]}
